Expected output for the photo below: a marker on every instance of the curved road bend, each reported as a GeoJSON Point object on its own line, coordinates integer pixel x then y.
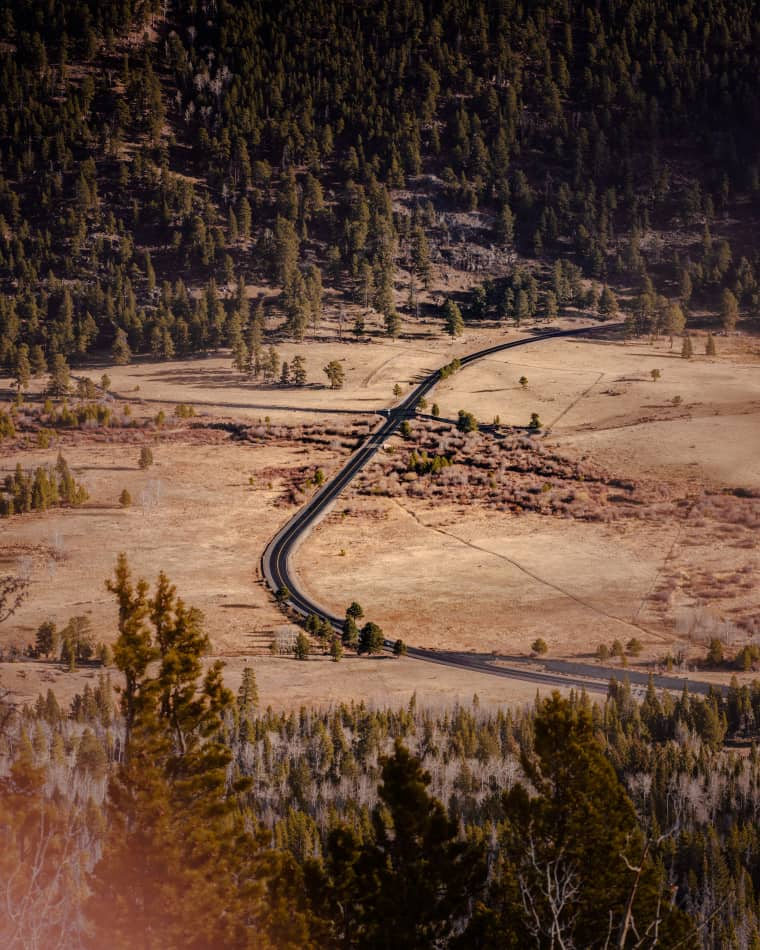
{"type": "Point", "coordinates": [275, 561]}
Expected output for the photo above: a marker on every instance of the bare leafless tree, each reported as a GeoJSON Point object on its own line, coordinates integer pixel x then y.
{"type": "Point", "coordinates": [41, 896]}
{"type": "Point", "coordinates": [14, 589]}
{"type": "Point", "coordinates": [550, 885]}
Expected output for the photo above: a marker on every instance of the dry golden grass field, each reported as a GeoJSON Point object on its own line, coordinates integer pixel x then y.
{"type": "Point", "coordinates": [482, 557]}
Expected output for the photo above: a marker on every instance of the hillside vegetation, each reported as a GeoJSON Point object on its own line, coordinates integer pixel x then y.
{"type": "Point", "coordinates": [185, 816]}
{"type": "Point", "coordinates": [155, 161]}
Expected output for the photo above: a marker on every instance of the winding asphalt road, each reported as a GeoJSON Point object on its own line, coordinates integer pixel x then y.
{"type": "Point", "coordinates": [275, 561]}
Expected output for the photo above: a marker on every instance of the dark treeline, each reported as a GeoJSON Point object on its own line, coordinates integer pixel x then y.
{"type": "Point", "coordinates": [151, 162]}
{"type": "Point", "coordinates": [184, 816]}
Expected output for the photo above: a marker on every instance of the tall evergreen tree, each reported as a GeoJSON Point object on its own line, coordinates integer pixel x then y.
{"type": "Point", "coordinates": [452, 319]}
{"type": "Point", "coordinates": [180, 867]}
{"type": "Point", "coordinates": [408, 885]}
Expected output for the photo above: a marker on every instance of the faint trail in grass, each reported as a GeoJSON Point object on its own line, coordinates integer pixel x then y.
{"type": "Point", "coordinates": [535, 577]}
{"type": "Point", "coordinates": [574, 403]}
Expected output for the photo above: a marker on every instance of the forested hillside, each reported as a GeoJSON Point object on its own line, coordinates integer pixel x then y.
{"type": "Point", "coordinates": [158, 159]}
{"type": "Point", "coordinates": [172, 813]}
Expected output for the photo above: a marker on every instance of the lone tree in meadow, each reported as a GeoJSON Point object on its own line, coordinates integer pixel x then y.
{"type": "Point", "coordinates": [710, 348]}
{"type": "Point", "coordinates": [298, 371]}
{"type": "Point", "coordinates": [335, 374]}
{"type": "Point", "coordinates": [146, 457]}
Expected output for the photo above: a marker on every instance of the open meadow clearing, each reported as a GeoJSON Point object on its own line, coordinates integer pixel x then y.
{"type": "Point", "coordinates": [485, 556]}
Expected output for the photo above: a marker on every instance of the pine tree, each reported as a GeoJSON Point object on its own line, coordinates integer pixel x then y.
{"type": "Point", "coordinates": [675, 321]}
{"type": "Point", "coordinates": [371, 639]}
{"type": "Point", "coordinates": [414, 877]}
{"type": "Point", "coordinates": [180, 867]}
{"type": "Point", "coordinates": [687, 350]}
{"type": "Point", "coordinates": [608, 305]}
{"type": "Point", "coordinates": [350, 634]}
{"type": "Point", "coordinates": [22, 370]}
{"type": "Point", "coordinates": [729, 310]}
{"type": "Point", "coordinates": [314, 295]}
{"type": "Point", "coordinates": [552, 310]}
{"type": "Point", "coordinates": [505, 226]}
{"type": "Point", "coordinates": [240, 355]}
{"type": "Point", "coordinates": [120, 351]}
{"type": "Point", "coordinates": [271, 365]}
{"type": "Point", "coordinates": [335, 374]}
{"type": "Point", "coordinates": [46, 638]}
{"type": "Point", "coordinates": [248, 694]}
{"type": "Point", "coordinates": [58, 383]}
{"type": "Point", "coordinates": [244, 219]}
{"type": "Point", "coordinates": [302, 647]}
{"type": "Point", "coordinates": [392, 322]}
{"type": "Point", "coordinates": [421, 255]}
{"type": "Point", "coordinates": [38, 361]}
{"type": "Point", "coordinates": [710, 348]}
{"type": "Point", "coordinates": [298, 370]}
{"type": "Point", "coordinates": [452, 319]}
{"type": "Point", "coordinates": [286, 251]}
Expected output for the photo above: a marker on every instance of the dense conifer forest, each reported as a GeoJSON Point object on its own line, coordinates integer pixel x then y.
{"type": "Point", "coordinates": [156, 158]}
